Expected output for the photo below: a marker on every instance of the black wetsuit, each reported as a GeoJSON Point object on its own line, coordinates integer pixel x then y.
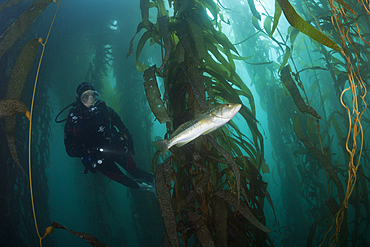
{"type": "Point", "coordinates": [98, 134]}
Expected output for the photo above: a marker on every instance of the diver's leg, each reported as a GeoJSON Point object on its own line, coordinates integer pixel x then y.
{"type": "Point", "coordinates": [110, 169]}
{"type": "Point", "coordinates": [128, 163]}
{"type": "Point", "coordinates": [139, 173]}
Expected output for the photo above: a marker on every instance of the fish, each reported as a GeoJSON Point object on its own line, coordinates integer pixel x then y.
{"type": "Point", "coordinates": [202, 124]}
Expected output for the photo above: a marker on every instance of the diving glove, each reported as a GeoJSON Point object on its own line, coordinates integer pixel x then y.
{"type": "Point", "coordinates": [92, 161]}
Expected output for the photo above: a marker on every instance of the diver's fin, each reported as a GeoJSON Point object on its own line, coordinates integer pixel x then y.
{"type": "Point", "coordinates": [162, 145]}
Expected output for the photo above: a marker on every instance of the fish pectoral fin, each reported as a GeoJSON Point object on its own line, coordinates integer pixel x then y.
{"type": "Point", "coordinates": [210, 130]}
{"type": "Point", "coordinates": [180, 144]}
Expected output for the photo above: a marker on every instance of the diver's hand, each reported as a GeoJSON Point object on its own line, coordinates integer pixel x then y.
{"type": "Point", "coordinates": [92, 161]}
{"type": "Point", "coordinates": [97, 158]}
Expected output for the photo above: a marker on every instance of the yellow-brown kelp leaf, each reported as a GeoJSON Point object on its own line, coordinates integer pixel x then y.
{"type": "Point", "coordinates": [164, 200]}
{"type": "Point", "coordinates": [198, 188]}
{"type": "Point", "coordinates": [197, 34]}
{"type": "Point", "coordinates": [21, 69]}
{"type": "Point", "coordinates": [138, 29]}
{"type": "Point", "coordinates": [196, 82]}
{"type": "Point", "coordinates": [85, 236]}
{"type": "Point", "coordinates": [154, 96]}
{"type": "Point", "coordinates": [365, 191]}
{"type": "Point", "coordinates": [311, 234]}
{"type": "Point", "coordinates": [186, 41]}
{"type": "Point", "coordinates": [325, 161]}
{"type": "Point", "coordinates": [335, 124]}
{"type": "Point", "coordinates": [287, 80]}
{"type": "Point", "coordinates": [10, 137]}
{"type": "Point", "coordinates": [296, 21]}
{"type": "Point", "coordinates": [144, 7]}
{"type": "Point", "coordinates": [163, 29]}
{"type": "Point", "coordinates": [230, 161]}
{"type": "Point", "coordinates": [17, 80]}
{"type": "Point", "coordinates": [277, 15]}
{"type": "Point", "coordinates": [267, 25]}
{"type": "Point", "coordinates": [285, 59]}
{"type": "Point", "coordinates": [199, 224]}
{"type": "Point", "coordinates": [226, 67]}
{"type": "Point", "coordinates": [11, 107]}
{"type": "Point", "coordinates": [254, 10]}
{"type": "Point", "coordinates": [220, 221]}
{"type": "Point", "coordinates": [242, 208]}
{"type": "Point", "coordinates": [8, 4]}
{"type": "Point", "coordinates": [21, 24]}
{"type": "Point", "coordinates": [332, 204]}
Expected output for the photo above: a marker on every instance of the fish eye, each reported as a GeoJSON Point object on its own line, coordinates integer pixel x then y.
{"type": "Point", "coordinates": [227, 104]}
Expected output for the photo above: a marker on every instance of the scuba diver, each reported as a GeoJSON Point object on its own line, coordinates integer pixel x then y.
{"type": "Point", "coordinates": [95, 133]}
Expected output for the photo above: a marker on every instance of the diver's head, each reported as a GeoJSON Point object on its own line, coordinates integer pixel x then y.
{"type": "Point", "coordinates": [86, 94]}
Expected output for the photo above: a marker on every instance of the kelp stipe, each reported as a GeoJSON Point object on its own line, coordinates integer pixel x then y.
{"type": "Point", "coordinates": [355, 110]}
{"type": "Point", "coordinates": [40, 40]}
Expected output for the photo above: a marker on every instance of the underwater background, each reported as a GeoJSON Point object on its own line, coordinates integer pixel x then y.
{"type": "Point", "coordinates": [290, 169]}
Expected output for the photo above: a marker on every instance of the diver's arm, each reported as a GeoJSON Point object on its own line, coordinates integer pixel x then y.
{"type": "Point", "coordinates": [74, 147]}
{"type": "Point", "coordinates": [116, 121]}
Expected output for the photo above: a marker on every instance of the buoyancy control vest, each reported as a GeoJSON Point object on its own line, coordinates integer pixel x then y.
{"type": "Point", "coordinates": [92, 125]}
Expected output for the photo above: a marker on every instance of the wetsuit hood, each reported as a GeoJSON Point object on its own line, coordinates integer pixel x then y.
{"type": "Point", "coordinates": [84, 86]}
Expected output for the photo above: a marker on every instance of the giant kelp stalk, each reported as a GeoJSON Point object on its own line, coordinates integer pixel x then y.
{"type": "Point", "coordinates": [210, 188]}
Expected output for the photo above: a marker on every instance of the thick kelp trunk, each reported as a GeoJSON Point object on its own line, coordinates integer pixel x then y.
{"type": "Point", "coordinates": [211, 188]}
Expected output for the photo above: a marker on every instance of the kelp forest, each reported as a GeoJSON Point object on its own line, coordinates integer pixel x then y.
{"type": "Point", "coordinates": [290, 169]}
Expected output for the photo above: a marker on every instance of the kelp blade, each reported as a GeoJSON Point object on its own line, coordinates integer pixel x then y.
{"type": "Point", "coordinates": [17, 80]}
{"type": "Point", "coordinates": [242, 208]}
{"type": "Point", "coordinates": [287, 80]}
{"type": "Point", "coordinates": [164, 200]}
{"type": "Point", "coordinates": [21, 24]}
{"type": "Point", "coordinates": [230, 161]}
{"type": "Point", "coordinates": [277, 15]}
{"type": "Point", "coordinates": [8, 4]}
{"type": "Point", "coordinates": [21, 69]}
{"type": "Point", "coordinates": [11, 107]}
{"type": "Point", "coordinates": [324, 160]}
{"type": "Point", "coordinates": [199, 224]}
{"type": "Point", "coordinates": [85, 236]}
{"type": "Point", "coordinates": [296, 21]}
{"type": "Point", "coordinates": [220, 221]}
{"type": "Point", "coordinates": [154, 96]}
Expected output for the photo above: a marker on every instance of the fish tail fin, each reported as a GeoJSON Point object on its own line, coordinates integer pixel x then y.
{"type": "Point", "coordinates": [162, 145]}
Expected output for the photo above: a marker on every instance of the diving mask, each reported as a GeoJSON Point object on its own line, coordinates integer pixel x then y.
{"type": "Point", "coordinates": [90, 95]}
